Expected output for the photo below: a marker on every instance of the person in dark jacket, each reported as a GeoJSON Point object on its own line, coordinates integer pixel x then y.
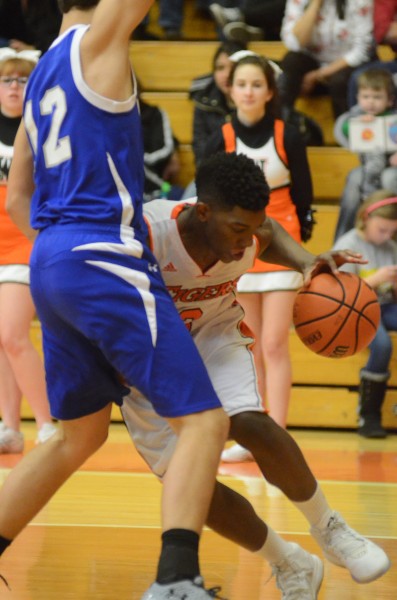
{"type": "Point", "coordinates": [210, 95]}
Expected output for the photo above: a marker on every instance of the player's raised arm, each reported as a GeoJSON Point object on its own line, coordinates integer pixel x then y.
{"type": "Point", "coordinates": [104, 48]}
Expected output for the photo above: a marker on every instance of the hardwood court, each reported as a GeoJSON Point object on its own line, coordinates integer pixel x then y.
{"type": "Point", "coordinates": [99, 536]}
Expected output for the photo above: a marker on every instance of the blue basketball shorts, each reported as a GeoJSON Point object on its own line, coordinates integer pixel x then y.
{"type": "Point", "coordinates": [108, 322]}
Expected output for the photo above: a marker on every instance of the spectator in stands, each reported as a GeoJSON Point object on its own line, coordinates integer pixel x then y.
{"type": "Point", "coordinates": [385, 32]}
{"type": "Point", "coordinates": [21, 369]}
{"type": "Point", "coordinates": [29, 24]}
{"type": "Point", "coordinates": [250, 20]}
{"type": "Point", "coordinates": [373, 236]}
{"type": "Point", "coordinates": [212, 103]}
{"type": "Point", "coordinates": [211, 97]}
{"type": "Point", "coordinates": [378, 169]}
{"type": "Point", "coordinates": [268, 292]}
{"type": "Point", "coordinates": [327, 40]}
{"type": "Point", "coordinates": [161, 158]}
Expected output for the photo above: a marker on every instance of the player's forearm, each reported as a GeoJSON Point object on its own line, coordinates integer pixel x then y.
{"type": "Point", "coordinates": [284, 250]}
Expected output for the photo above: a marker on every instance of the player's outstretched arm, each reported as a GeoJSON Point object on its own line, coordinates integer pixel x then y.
{"type": "Point", "coordinates": [20, 184]}
{"type": "Point", "coordinates": [283, 250]}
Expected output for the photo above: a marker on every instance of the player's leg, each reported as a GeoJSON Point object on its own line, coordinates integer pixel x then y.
{"type": "Point", "coordinates": [273, 447]}
{"type": "Point", "coordinates": [187, 506]}
{"type": "Point", "coordinates": [276, 322]}
{"type": "Point", "coordinates": [16, 314]}
{"type": "Point", "coordinates": [22, 495]}
{"type": "Point", "coordinates": [232, 516]}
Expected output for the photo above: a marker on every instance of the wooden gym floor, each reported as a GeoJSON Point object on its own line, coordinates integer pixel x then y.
{"type": "Point", "coordinates": [99, 536]}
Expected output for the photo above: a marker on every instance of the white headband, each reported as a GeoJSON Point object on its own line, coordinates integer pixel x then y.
{"type": "Point", "coordinates": [9, 53]}
{"type": "Point", "coordinates": [237, 56]}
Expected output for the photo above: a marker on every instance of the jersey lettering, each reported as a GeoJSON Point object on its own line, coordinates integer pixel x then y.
{"type": "Point", "coordinates": [180, 294]}
{"type": "Point", "coordinates": [56, 150]}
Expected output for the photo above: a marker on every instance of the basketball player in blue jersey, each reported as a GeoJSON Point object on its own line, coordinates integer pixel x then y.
{"type": "Point", "coordinates": [107, 318]}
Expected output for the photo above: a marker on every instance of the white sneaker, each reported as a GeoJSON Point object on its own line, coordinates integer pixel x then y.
{"type": "Point", "coordinates": [11, 441]}
{"type": "Point", "coordinates": [45, 432]}
{"type": "Point", "coordinates": [235, 454]}
{"type": "Point", "coordinates": [346, 548]}
{"type": "Point", "coordinates": [181, 590]}
{"type": "Point", "coordinates": [299, 575]}
{"type": "Point", "coordinates": [238, 31]}
{"type": "Point", "coordinates": [224, 15]}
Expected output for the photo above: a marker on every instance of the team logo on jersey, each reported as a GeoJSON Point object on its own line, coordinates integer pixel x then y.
{"type": "Point", "coordinates": [170, 268]}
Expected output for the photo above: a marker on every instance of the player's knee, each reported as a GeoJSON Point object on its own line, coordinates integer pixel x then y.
{"type": "Point", "coordinates": [216, 422]}
{"type": "Point", "coordinates": [256, 431]}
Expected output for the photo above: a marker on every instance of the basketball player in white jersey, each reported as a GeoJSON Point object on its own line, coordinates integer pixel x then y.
{"type": "Point", "coordinates": [203, 248]}
{"type": "Point", "coordinates": [77, 178]}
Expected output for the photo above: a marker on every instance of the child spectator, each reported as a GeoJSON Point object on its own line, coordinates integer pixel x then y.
{"type": "Point", "coordinates": [376, 226]}
{"type": "Point", "coordinates": [376, 97]}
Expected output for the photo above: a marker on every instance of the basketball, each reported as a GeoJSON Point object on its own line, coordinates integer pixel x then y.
{"type": "Point", "coordinates": [336, 315]}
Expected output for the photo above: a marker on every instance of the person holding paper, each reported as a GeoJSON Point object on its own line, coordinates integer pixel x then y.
{"type": "Point", "coordinates": [374, 143]}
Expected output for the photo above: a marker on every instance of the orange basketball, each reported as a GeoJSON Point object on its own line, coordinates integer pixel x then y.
{"type": "Point", "coordinates": [336, 315]}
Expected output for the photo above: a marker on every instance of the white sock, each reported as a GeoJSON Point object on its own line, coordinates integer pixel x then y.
{"type": "Point", "coordinates": [316, 510]}
{"type": "Point", "coordinates": [275, 549]}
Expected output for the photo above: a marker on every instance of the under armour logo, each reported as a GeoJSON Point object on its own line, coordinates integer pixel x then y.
{"type": "Point", "coordinates": [153, 268]}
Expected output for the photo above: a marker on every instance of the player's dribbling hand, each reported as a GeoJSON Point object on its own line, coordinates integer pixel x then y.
{"type": "Point", "coordinates": [330, 261]}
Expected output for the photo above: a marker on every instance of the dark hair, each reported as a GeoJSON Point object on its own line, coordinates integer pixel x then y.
{"type": "Point", "coordinates": [228, 47]}
{"type": "Point", "coordinates": [228, 179]}
{"type": "Point", "coordinates": [273, 106]}
{"type": "Point", "coordinates": [67, 5]}
{"type": "Point", "coordinates": [377, 79]}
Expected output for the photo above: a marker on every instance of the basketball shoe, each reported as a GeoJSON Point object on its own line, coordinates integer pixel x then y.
{"type": "Point", "coordinates": [235, 454]}
{"type": "Point", "coordinates": [346, 548]}
{"type": "Point", "coordinates": [299, 575]}
{"type": "Point", "coordinates": [46, 431]}
{"type": "Point", "coordinates": [11, 441]}
{"type": "Point", "coordinates": [181, 590]}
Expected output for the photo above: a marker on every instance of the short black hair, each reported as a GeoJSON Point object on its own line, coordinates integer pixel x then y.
{"type": "Point", "coordinates": [227, 179]}
{"type": "Point", "coordinates": [67, 5]}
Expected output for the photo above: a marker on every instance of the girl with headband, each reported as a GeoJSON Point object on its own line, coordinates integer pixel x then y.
{"type": "Point", "coordinates": [268, 292]}
{"type": "Point", "coordinates": [21, 368]}
{"type": "Point", "coordinates": [373, 236]}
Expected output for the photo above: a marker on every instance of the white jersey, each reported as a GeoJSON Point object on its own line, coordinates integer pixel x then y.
{"type": "Point", "coordinates": [207, 303]}
{"type": "Point", "coordinates": [200, 297]}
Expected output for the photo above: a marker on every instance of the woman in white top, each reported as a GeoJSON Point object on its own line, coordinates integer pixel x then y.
{"type": "Point", "coordinates": [327, 40]}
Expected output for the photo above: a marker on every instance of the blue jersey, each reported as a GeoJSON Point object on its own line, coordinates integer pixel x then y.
{"type": "Point", "coordinates": [88, 152]}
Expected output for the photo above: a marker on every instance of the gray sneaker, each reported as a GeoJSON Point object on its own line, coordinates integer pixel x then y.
{"type": "Point", "coordinates": [346, 548]}
{"type": "Point", "coordinates": [238, 31]}
{"type": "Point", "coordinates": [224, 15]}
{"type": "Point", "coordinates": [299, 575]}
{"type": "Point", "coordinates": [181, 590]}
{"type": "Point", "coordinates": [11, 441]}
